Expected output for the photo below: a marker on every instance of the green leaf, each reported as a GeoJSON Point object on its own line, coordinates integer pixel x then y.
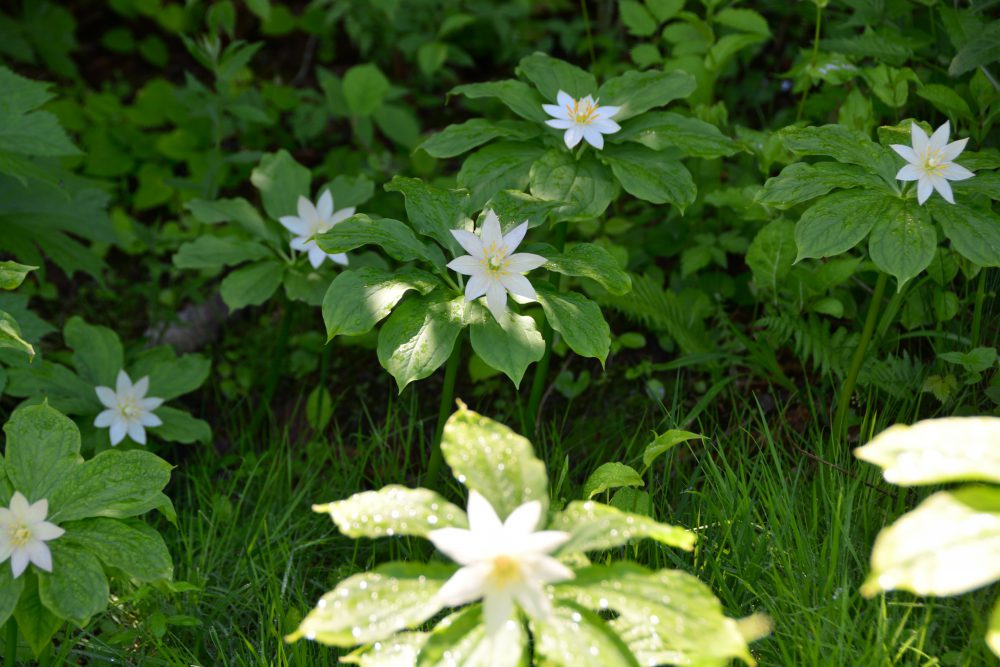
{"type": "Point", "coordinates": [419, 335]}
{"type": "Point", "coordinates": [58, 385]}
{"type": "Point", "coordinates": [976, 360]}
{"type": "Point", "coordinates": [398, 240]}
{"type": "Point", "coordinates": [726, 48]}
{"type": "Point", "coordinates": [433, 211]}
{"type": "Point", "coordinates": [36, 623]}
{"type": "Point", "coordinates": [365, 88]}
{"type": "Point", "coordinates": [610, 476]}
{"type": "Point", "coordinates": [596, 527]}
{"type": "Point", "coordinates": [180, 426]}
{"type": "Point", "coordinates": [349, 191]}
{"type": "Point", "coordinates": [935, 451]}
{"type": "Point", "coordinates": [519, 97]}
{"type": "Point", "coordinates": [463, 137]}
{"type": "Point", "coordinates": [372, 606]}
{"type": "Point", "coordinates": [393, 511]}
{"type": "Point", "coordinates": [993, 632]}
{"type": "Point", "coordinates": [511, 205]}
{"type": "Point", "coordinates": [801, 182]}
{"type": "Point", "coordinates": [238, 211]}
{"type": "Point", "coordinates": [662, 129]}
{"type": "Point", "coordinates": [23, 129]}
{"type": "Point", "coordinates": [461, 639]}
{"type": "Point", "coordinates": [584, 185]}
{"type": "Point", "coordinates": [76, 589]}
{"type": "Point", "coordinates": [489, 458]}
{"type": "Point", "coordinates": [357, 300]}
{"type": "Point", "coordinates": [12, 274]}
{"type": "Point", "coordinates": [657, 177]}
{"type": "Point", "coordinates": [772, 254]}
{"type": "Point", "coordinates": [97, 351]}
{"type": "Point", "coordinates": [10, 336]}
{"type": "Point", "coordinates": [579, 320]}
{"type": "Point", "coordinates": [665, 442]}
{"type": "Point", "coordinates": [510, 347]}
{"type": "Point", "coordinates": [10, 591]}
{"type": "Point", "coordinates": [638, 92]}
{"type": "Point", "coordinates": [400, 650]}
{"type": "Point", "coordinates": [637, 18]}
{"type": "Point", "coordinates": [665, 617]}
{"type": "Point", "coordinates": [973, 233]}
{"type": "Point", "coordinates": [840, 221]}
{"type": "Point", "coordinates": [171, 376]}
{"type": "Point", "coordinates": [212, 252]}
{"type": "Point", "coordinates": [43, 447]}
{"type": "Point", "coordinates": [500, 166]}
{"type": "Point", "coordinates": [281, 181]}
{"type": "Point", "coordinates": [589, 260]}
{"type": "Point", "coordinates": [132, 547]}
{"type": "Point", "coordinates": [550, 75]}
{"type": "Point", "coordinates": [574, 636]}
{"type": "Point", "coordinates": [843, 145]}
{"type": "Point", "coordinates": [982, 49]}
{"type": "Point", "coordinates": [113, 484]}
{"type": "Point", "coordinates": [903, 242]}
{"type": "Point", "coordinates": [945, 100]}
{"type": "Point", "coordinates": [252, 285]}
{"type": "Point", "coordinates": [431, 56]}
{"type": "Point", "coordinates": [948, 545]}
{"type": "Point", "coordinates": [744, 20]}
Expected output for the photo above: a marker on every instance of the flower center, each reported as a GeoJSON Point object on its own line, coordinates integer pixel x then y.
{"type": "Point", "coordinates": [129, 408]}
{"type": "Point", "coordinates": [506, 571]}
{"type": "Point", "coordinates": [933, 164]}
{"type": "Point", "coordinates": [496, 261]}
{"type": "Point", "coordinates": [582, 114]}
{"type": "Point", "coordinates": [20, 534]}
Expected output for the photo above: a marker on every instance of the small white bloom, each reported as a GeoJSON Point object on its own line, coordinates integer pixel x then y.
{"type": "Point", "coordinates": [931, 162]}
{"type": "Point", "coordinates": [129, 411]}
{"type": "Point", "coordinates": [493, 267]}
{"type": "Point", "coordinates": [582, 119]}
{"type": "Point", "coordinates": [503, 563]}
{"type": "Point", "coordinates": [24, 532]}
{"type": "Point", "coordinates": [313, 220]}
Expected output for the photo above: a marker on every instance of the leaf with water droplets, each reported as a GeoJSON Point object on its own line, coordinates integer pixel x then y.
{"type": "Point", "coordinates": [399, 651]}
{"type": "Point", "coordinates": [461, 639]}
{"type": "Point", "coordinates": [393, 510]}
{"type": "Point", "coordinates": [665, 617]}
{"type": "Point", "coordinates": [594, 527]}
{"type": "Point", "coordinates": [372, 606]}
{"type": "Point", "coordinates": [490, 458]}
{"type": "Point", "coordinates": [574, 636]}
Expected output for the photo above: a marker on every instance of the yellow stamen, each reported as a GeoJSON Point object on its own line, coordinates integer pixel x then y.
{"type": "Point", "coordinates": [19, 534]}
{"type": "Point", "coordinates": [505, 571]}
{"type": "Point", "coordinates": [585, 115]}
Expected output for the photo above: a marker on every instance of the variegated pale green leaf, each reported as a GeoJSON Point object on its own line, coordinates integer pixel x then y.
{"type": "Point", "coordinates": [490, 458]}
{"type": "Point", "coordinates": [993, 631]}
{"type": "Point", "coordinates": [937, 450]}
{"type": "Point", "coordinates": [372, 606]}
{"type": "Point", "coordinates": [594, 527]}
{"type": "Point", "coordinates": [393, 510]}
{"type": "Point", "coordinates": [400, 651]}
{"type": "Point", "coordinates": [574, 636]}
{"type": "Point", "coordinates": [461, 639]}
{"type": "Point", "coordinates": [949, 545]}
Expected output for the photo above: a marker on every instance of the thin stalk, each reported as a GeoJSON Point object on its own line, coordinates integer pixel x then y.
{"type": "Point", "coordinates": [542, 369]}
{"type": "Point", "coordinates": [590, 36]}
{"type": "Point", "coordinates": [10, 659]}
{"type": "Point", "coordinates": [444, 410]}
{"type": "Point", "coordinates": [815, 56]}
{"type": "Point", "coordinates": [844, 403]}
{"type": "Point", "coordinates": [977, 313]}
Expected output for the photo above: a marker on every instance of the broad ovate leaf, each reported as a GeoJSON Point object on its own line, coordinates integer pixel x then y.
{"type": "Point", "coordinates": [579, 320]}
{"type": "Point", "coordinates": [574, 636]}
{"type": "Point", "coordinates": [510, 347]}
{"type": "Point", "coordinates": [490, 458]}
{"type": "Point", "coordinates": [840, 221]}
{"type": "Point", "coordinates": [594, 527]}
{"type": "Point", "coordinates": [357, 300]}
{"type": "Point", "coordinates": [948, 545]}
{"type": "Point", "coordinates": [589, 260]}
{"type": "Point", "coordinates": [419, 336]}
{"type": "Point", "coordinates": [12, 274]}
{"type": "Point", "coordinates": [903, 243]}
{"type": "Point", "coordinates": [393, 510]}
{"type": "Point", "coordinates": [42, 447]}
{"type": "Point", "coordinates": [76, 589]}
{"type": "Point", "coordinates": [461, 639]}
{"type": "Point", "coordinates": [934, 451]}
{"type": "Point", "coordinates": [654, 176]}
{"type": "Point", "coordinates": [609, 476]}
{"type": "Point", "coordinates": [584, 184]}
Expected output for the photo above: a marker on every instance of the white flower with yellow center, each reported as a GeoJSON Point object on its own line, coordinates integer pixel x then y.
{"type": "Point", "coordinates": [24, 532]}
{"type": "Point", "coordinates": [582, 119]}
{"type": "Point", "coordinates": [314, 220]}
{"type": "Point", "coordinates": [493, 267]}
{"type": "Point", "coordinates": [129, 411]}
{"type": "Point", "coordinates": [931, 162]}
{"type": "Point", "coordinates": [502, 562]}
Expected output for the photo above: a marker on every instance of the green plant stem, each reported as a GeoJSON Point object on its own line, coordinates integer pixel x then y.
{"type": "Point", "coordinates": [590, 36]}
{"type": "Point", "coordinates": [977, 313]}
{"type": "Point", "coordinates": [10, 659]}
{"type": "Point", "coordinates": [444, 410]}
{"type": "Point", "coordinates": [815, 56]}
{"type": "Point", "coordinates": [844, 402]}
{"type": "Point", "coordinates": [530, 420]}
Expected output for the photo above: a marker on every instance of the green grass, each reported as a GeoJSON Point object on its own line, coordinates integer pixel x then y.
{"type": "Point", "coordinates": [786, 523]}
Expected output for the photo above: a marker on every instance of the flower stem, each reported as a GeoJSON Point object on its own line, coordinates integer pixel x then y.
{"type": "Point", "coordinates": [815, 56]}
{"type": "Point", "coordinates": [844, 402]}
{"type": "Point", "coordinates": [590, 36]}
{"type": "Point", "coordinates": [542, 369]}
{"type": "Point", "coordinates": [444, 410]}
{"type": "Point", "coordinates": [10, 657]}
{"type": "Point", "coordinates": [977, 313]}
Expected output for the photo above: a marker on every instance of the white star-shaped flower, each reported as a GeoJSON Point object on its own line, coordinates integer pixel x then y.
{"type": "Point", "coordinates": [129, 411]}
{"type": "Point", "coordinates": [931, 162]}
{"type": "Point", "coordinates": [502, 562]}
{"type": "Point", "coordinates": [24, 532]}
{"type": "Point", "coordinates": [582, 119]}
{"type": "Point", "coordinates": [313, 220]}
{"type": "Point", "coordinates": [493, 267]}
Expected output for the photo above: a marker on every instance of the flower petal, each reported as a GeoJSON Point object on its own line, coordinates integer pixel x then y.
{"type": "Point", "coordinates": [104, 419]}
{"type": "Point", "coordinates": [118, 430]}
{"type": "Point", "coordinates": [496, 301]}
{"type": "Point", "coordinates": [593, 137]}
{"type": "Point", "coordinates": [339, 258]}
{"type": "Point", "coordinates": [944, 187]}
{"type": "Point", "coordinates": [148, 419]}
{"type": "Point", "coordinates": [953, 150]}
{"type": "Point", "coordinates": [467, 265]}
{"type": "Point", "coordinates": [39, 554]}
{"type": "Point", "coordinates": [341, 215]}
{"type": "Point", "coordinates": [904, 152]}
{"type": "Point", "coordinates": [137, 432]}
{"type": "Point", "coordinates": [513, 238]}
{"type": "Point", "coordinates": [523, 262]}
{"type": "Point", "coordinates": [140, 388]}
{"type": "Point", "coordinates": [482, 517]}
{"type": "Point", "coordinates": [524, 519]}
{"type": "Point", "coordinates": [956, 172]}
{"type": "Point", "coordinates": [924, 189]}
{"type": "Point", "coordinates": [918, 138]}
{"type": "Point", "coordinates": [573, 136]}
{"type": "Point", "coordinates": [532, 599]}
{"type": "Point", "coordinates": [150, 403]}
{"type": "Point", "coordinates": [604, 113]}
{"type": "Point", "coordinates": [123, 383]}
{"type": "Point", "coordinates": [560, 123]}
{"type": "Point", "coordinates": [37, 511]}
{"type": "Point", "coordinates": [302, 243]}
{"type": "Point", "coordinates": [316, 256]}
{"type": "Point", "coordinates": [490, 231]}
{"type": "Point", "coordinates": [548, 570]}
{"type": "Point", "coordinates": [18, 562]}
{"type": "Point", "coordinates": [466, 585]}
{"type": "Point", "coordinates": [556, 111]}
{"type": "Point", "coordinates": [470, 242]}
{"type": "Point", "coordinates": [476, 286]}
{"type": "Point", "coordinates": [458, 544]}
{"type": "Point", "coordinates": [106, 396]}
{"type": "Point", "coordinates": [324, 207]}
{"type": "Point", "coordinates": [517, 284]}
{"type": "Point", "coordinates": [294, 224]}
{"type": "Point", "coordinates": [497, 608]}
{"type": "Point", "coordinates": [606, 126]}
{"type": "Point", "coordinates": [564, 99]}
{"type": "Point", "coordinates": [939, 139]}
{"type": "Point", "coordinates": [19, 505]}
{"type": "Point", "coordinates": [910, 172]}
{"type": "Point", "coordinates": [46, 531]}
{"type": "Point", "coordinates": [306, 210]}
